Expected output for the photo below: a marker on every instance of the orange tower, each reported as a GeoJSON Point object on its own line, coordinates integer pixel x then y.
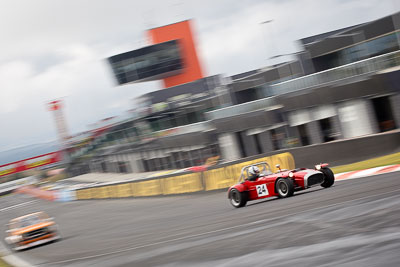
{"type": "Point", "coordinates": [182, 32]}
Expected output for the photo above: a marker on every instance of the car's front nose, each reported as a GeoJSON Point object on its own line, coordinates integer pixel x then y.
{"type": "Point", "coordinates": [313, 178]}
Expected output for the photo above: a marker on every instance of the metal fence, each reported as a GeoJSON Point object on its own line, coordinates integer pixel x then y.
{"type": "Point", "coordinates": [259, 104]}
{"type": "Point", "coordinates": [362, 67]}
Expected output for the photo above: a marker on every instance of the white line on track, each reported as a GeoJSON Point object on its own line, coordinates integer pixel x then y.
{"type": "Point", "coordinates": [211, 232]}
{"type": "Point", "coordinates": [18, 205]}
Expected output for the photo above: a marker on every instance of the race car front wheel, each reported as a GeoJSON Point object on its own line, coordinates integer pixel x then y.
{"type": "Point", "coordinates": [238, 199]}
{"type": "Point", "coordinates": [284, 187]}
{"type": "Point", "coordinates": [329, 177]}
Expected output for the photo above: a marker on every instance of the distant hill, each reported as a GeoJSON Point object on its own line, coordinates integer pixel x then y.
{"type": "Point", "coordinates": [30, 151]}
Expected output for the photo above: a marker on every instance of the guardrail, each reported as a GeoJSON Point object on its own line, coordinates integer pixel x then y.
{"type": "Point", "coordinates": [361, 67]}
{"type": "Point", "coordinates": [184, 129]}
{"type": "Point", "coordinates": [230, 111]}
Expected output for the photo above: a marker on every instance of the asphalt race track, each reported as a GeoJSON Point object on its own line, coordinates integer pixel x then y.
{"type": "Point", "coordinates": [354, 223]}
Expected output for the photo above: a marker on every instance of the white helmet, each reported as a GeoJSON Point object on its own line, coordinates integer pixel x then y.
{"type": "Point", "coordinates": [254, 170]}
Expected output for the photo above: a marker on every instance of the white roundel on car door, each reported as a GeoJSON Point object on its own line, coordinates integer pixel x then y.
{"type": "Point", "coordinates": [262, 190]}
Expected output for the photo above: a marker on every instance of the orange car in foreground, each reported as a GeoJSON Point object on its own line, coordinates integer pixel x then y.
{"type": "Point", "coordinates": [31, 230]}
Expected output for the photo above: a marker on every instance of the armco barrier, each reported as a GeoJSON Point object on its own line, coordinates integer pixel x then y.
{"type": "Point", "coordinates": [217, 177]}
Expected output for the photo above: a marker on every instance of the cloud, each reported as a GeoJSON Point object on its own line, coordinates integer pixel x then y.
{"type": "Point", "coordinates": [56, 49]}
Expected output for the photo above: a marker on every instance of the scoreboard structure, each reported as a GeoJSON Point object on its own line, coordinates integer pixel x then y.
{"type": "Point", "coordinates": [172, 58]}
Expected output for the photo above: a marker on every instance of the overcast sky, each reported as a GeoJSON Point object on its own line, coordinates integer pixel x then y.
{"type": "Point", "coordinates": [56, 49]}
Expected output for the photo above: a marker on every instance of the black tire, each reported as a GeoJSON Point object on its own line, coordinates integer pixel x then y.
{"type": "Point", "coordinates": [284, 187]}
{"type": "Point", "coordinates": [329, 177]}
{"type": "Point", "coordinates": [237, 199]}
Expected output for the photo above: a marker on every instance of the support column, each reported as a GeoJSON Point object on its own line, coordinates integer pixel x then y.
{"type": "Point", "coordinates": [125, 159]}
{"type": "Point", "coordinates": [144, 157]}
{"type": "Point", "coordinates": [91, 167]}
{"type": "Point", "coordinates": [355, 118]}
{"type": "Point", "coordinates": [96, 166]}
{"type": "Point", "coordinates": [395, 103]}
{"type": "Point", "coordinates": [314, 132]}
{"type": "Point", "coordinates": [249, 144]}
{"type": "Point", "coordinates": [137, 157]}
{"type": "Point", "coordinates": [336, 127]}
{"type": "Point", "coordinates": [163, 159]}
{"type": "Point", "coordinates": [171, 158]}
{"type": "Point", "coordinates": [266, 142]}
{"type": "Point", "coordinates": [110, 165]}
{"type": "Point", "coordinates": [132, 162]}
{"type": "Point", "coordinates": [115, 163]}
{"type": "Point", "coordinates": [229, 147]}
{"type": "Point", "coordinates": [370, 111]}
{"type": "Point", "coordinates": [127, 163]}
{"type": "Point", "coordinates": [117, 160]}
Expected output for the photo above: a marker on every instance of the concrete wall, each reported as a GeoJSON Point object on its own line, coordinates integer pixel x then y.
{"type": "Point", "coordinates": [339, 152]}
{"type": "Point", "coordinates": [345, 151]}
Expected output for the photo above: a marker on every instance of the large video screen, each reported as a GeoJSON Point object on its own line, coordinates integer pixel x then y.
{"type": "Point", "coordinates": [148, 63]}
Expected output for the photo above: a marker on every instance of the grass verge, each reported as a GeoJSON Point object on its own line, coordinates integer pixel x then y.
{"type": "Point", "coordinates": [370, 163]}
{"type": "Point", "coordinates": [3, 263]}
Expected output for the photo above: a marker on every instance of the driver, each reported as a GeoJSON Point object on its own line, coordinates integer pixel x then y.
{"type": "Point", "coordinates": [254, 173]}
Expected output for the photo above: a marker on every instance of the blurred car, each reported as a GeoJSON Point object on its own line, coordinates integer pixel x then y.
{"type": "Point", "coordinates": [31, 230]}
{"type": "Point", "coordinates": [282, 183]}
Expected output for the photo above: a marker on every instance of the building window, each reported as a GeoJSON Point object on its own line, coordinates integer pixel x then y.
{"type": "Point", "coordinates": [239, 138]}
{"type": "Point", "coordinates": [303, 135]}
{"type": "Point", "coordinates": [368, 49]}
{"type": "Point", "coordinates": [258, 143]}
{"type": "Point", "coordinates": [383, 113]}
{"type": "Point", "coordinates": [327, 130]}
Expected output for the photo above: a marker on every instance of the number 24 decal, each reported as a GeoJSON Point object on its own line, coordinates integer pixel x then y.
{"type": "Point", "coordinates": [262, 190]}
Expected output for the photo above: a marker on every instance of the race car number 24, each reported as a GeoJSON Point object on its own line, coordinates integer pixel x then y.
{"type": "Point", "coordinates": [262, 190]}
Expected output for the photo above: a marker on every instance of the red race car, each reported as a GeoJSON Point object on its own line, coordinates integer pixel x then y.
{"type": "Point", "coordinates": [257, 181]}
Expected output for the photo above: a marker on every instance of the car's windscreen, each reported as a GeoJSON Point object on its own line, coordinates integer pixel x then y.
{"type": "Point", "coordinates": [30, 220]}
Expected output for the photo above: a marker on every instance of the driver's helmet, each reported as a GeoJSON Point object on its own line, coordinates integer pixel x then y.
{"type": "Point", "coordinates": [254, 172]}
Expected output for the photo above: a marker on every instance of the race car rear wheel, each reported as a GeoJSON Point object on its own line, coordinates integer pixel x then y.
{"type": "Point", "coordinates": [329, 177]}
{"type": "Point", "coordinates": [238, 199]}
{"type": "Point", "coordinates": [284, 187]}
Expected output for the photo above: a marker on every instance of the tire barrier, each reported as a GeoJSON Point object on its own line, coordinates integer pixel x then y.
{"type": "Point", "coordinates": [216, 177]}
